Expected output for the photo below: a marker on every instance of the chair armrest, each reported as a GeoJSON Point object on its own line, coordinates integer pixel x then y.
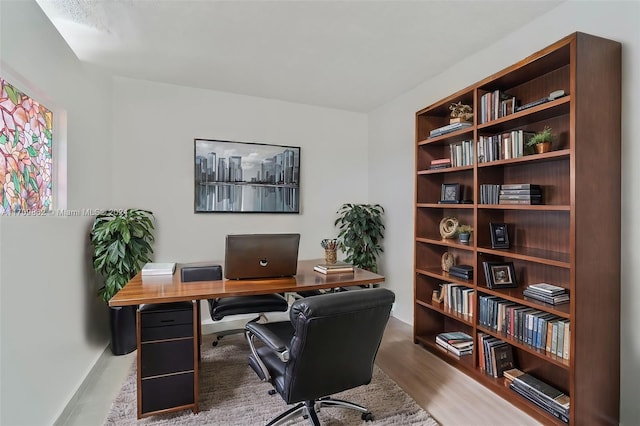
{"type": "Point", "coordinates": [275, 335]}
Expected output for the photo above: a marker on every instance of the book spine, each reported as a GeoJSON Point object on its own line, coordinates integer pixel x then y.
{"type": "Point", "coordinates": [532, 201]}
{"type": "Point", "coordinates": [520, 186]}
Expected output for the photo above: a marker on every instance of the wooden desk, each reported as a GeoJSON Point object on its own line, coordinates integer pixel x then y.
{"type": "Point", "coordinates": [165, 289]}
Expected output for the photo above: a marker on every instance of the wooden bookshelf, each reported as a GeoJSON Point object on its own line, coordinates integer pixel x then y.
{"type": "Point", "coordinates": [571, 240]}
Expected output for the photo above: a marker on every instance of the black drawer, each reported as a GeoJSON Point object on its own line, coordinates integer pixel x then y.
{"type": "Point", "coordinates": [161, 393]}
{"type": "Point", "coordinates": [166, 332]}
{"type": "Point", "coordinates": [166, 357]}
{"type": "Point", "coordinates": [166, 316]}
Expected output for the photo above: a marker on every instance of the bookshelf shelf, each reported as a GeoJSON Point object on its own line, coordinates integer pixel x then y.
{"type": "Point", "coordinates": [447, 170]}
{"type": "Point", "coordinates": [549, 242]}
{"type": "Point", "coordinates": [547, 156]}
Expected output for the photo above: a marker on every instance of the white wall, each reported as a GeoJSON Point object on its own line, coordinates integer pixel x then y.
{"type": "Point", "coordinates": [52, 326]}
{"type": "Point", "coordinates": [391, 148]}
{"type": "Point", "coordinates": [154, 127]}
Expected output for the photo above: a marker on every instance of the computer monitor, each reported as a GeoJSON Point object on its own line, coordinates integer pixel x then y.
{"type": "Point", "coordinates": [261, 255]}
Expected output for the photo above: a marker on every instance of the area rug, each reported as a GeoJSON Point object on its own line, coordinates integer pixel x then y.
{"type": "Point", "coordinates": [231, 394]}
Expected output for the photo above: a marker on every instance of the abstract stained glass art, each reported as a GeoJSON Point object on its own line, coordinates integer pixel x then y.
{"type": "Point", "coordinates": [26, 164]}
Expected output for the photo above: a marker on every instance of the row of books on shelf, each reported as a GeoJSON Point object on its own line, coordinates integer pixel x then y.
{"type": "Point", "coordinates": [547, 293]}
{"type": "Point", "coordinates": [545, 396]}
{"type": "Point", "coordinates": [494, 355]}
{"type": "Point", "coordinates": [524, 193]}
{"type": "Point", "coordinates": [503, 146]}
{"type": "Point", "coordinates": [460, 154]}
{"type": "Point", "coordinates": [542, 330]}
{"type": "Point", "coordinates": [333, 268]}
{"type": "Point", "coordinates": [496, 104]}
{"type": "Point", "coordinates": [456, 342]}
{"type": "Point", "coordinates": [449, 128]}
{"type": "Point", "coordinates": [458, 298]}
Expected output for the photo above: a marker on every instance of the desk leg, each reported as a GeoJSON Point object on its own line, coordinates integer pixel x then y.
{"type": "Point", "coordinates": [199, 332]}
{"type": "Point", "coordinates": [139, 363]}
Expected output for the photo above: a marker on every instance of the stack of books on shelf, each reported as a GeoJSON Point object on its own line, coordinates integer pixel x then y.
{"type": "Point", "coordinates": [495, 355]}
{"type": "Point", "coordinates": [489, 193]}
{"type": "Point", "coordinates": [333, 268]}
{"type": "Point", "coordinates": [458, 298]}
{"type": "Point", "coordinates": [456, 342]}
{"type": "Point", "coordinates": [154, 269]}
{"type": "Point", "coordinates": [461, 153]}
{"type": "Point", "coordinates": [542, 394]}
{"type": "Point", "coordinates": [547, 293]}
{"type": "Point", "coordinates": [462, 271]}
{"type": "Point", "coordinates": [440, 163]}
{"type": "Point", "coordinates": [449, 128]}
{"type": "Point", "coordinates": [520, 193]}
{"type": "Point", "coordinates": [536, 328]}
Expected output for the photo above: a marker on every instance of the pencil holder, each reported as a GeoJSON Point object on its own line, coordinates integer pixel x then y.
{"type": "Point", "coordinates": [330, 256]}
{"type": "Point", "coordinates": [330, 246]}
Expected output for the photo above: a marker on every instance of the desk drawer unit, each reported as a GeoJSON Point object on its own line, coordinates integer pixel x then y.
{"type": "Point", "coordinates": [167, 358]}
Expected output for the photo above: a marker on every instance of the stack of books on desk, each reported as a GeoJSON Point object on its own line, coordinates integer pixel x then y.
{"type": "Point", "coordinates": [540, 393]}
{"type": "Point", "coordinates": [547, 293]}
{"type": "Point", "coordinates": [153, 269]}
{"type": "Point", "coordinates": [333, 268]}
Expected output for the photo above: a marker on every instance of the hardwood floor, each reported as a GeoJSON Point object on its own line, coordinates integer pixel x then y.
{"type": "Point", "coordinates": [449, 395]}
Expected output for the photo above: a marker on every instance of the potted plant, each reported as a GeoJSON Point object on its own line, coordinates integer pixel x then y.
{"type": "Point", "coordinates": [361, 233]}
{"type": "Point", "coordinates": [541, 141]}
{"type": "Point", "coordinates": [464, 233]}
{"type": "Point", "coordinates": [121, 242]}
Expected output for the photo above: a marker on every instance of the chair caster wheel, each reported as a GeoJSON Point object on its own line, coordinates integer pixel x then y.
{"type": "Point", "coordinates": [271, 392]}
{"type": "Point", "coordinates": [306, 417]}
{"type": "Point", "coordinates": [367, 417]}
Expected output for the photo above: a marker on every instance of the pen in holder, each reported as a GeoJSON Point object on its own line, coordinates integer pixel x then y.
{"type": "Point", "coordinates": [330, 247]}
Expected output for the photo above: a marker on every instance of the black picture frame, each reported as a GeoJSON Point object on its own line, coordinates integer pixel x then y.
{"type": "Point", "coordinates": [500, 275]}
{"type": "Point", "coordinates": [245, 177]}
{"type": "Point", "coordinates": [450, 193]}
{"type": "Point", "coordinates": [499, 235]}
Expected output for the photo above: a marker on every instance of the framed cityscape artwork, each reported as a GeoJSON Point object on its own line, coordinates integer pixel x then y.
{"type": "Point", "coordinates": [242, 177]}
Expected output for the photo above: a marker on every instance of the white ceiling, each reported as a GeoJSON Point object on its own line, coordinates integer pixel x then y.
{"type": "Point", "coordinates": [352, 55]}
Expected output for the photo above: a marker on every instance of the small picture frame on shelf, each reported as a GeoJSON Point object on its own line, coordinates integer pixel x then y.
{"type": "Point", "coordinates": [450, 193]}
{"type": "Point", "coordinates": [500, 275]}
{"type": "Point", "coordinates": [499, 235]}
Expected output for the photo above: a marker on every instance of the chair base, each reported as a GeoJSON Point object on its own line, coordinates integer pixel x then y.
{"type": "Point", "coordinates": [309, 409]}
{"type": "Point", "coordinates": [220, 334]}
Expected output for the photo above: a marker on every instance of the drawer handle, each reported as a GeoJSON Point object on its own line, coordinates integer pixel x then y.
{"type": "Point", "coordinates": [167, 320]}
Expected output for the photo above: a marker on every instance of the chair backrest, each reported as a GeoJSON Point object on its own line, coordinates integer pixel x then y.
{"type": "Point", "coordinates": [336, 340]}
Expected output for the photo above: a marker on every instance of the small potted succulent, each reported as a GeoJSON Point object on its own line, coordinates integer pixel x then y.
{"type": "Point", "coordinates": [464, 233]}
{"type": "Point", "coordinates": [541, 141]}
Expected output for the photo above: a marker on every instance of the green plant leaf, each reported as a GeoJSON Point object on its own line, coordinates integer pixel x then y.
{"type": "Point", "coordinates": [12, 93]}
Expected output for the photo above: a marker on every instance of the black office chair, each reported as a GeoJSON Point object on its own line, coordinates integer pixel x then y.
{"type": "Point", "coordinates": [328, 346]}
{"type": "Point", "coordinates": [233, 305]}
